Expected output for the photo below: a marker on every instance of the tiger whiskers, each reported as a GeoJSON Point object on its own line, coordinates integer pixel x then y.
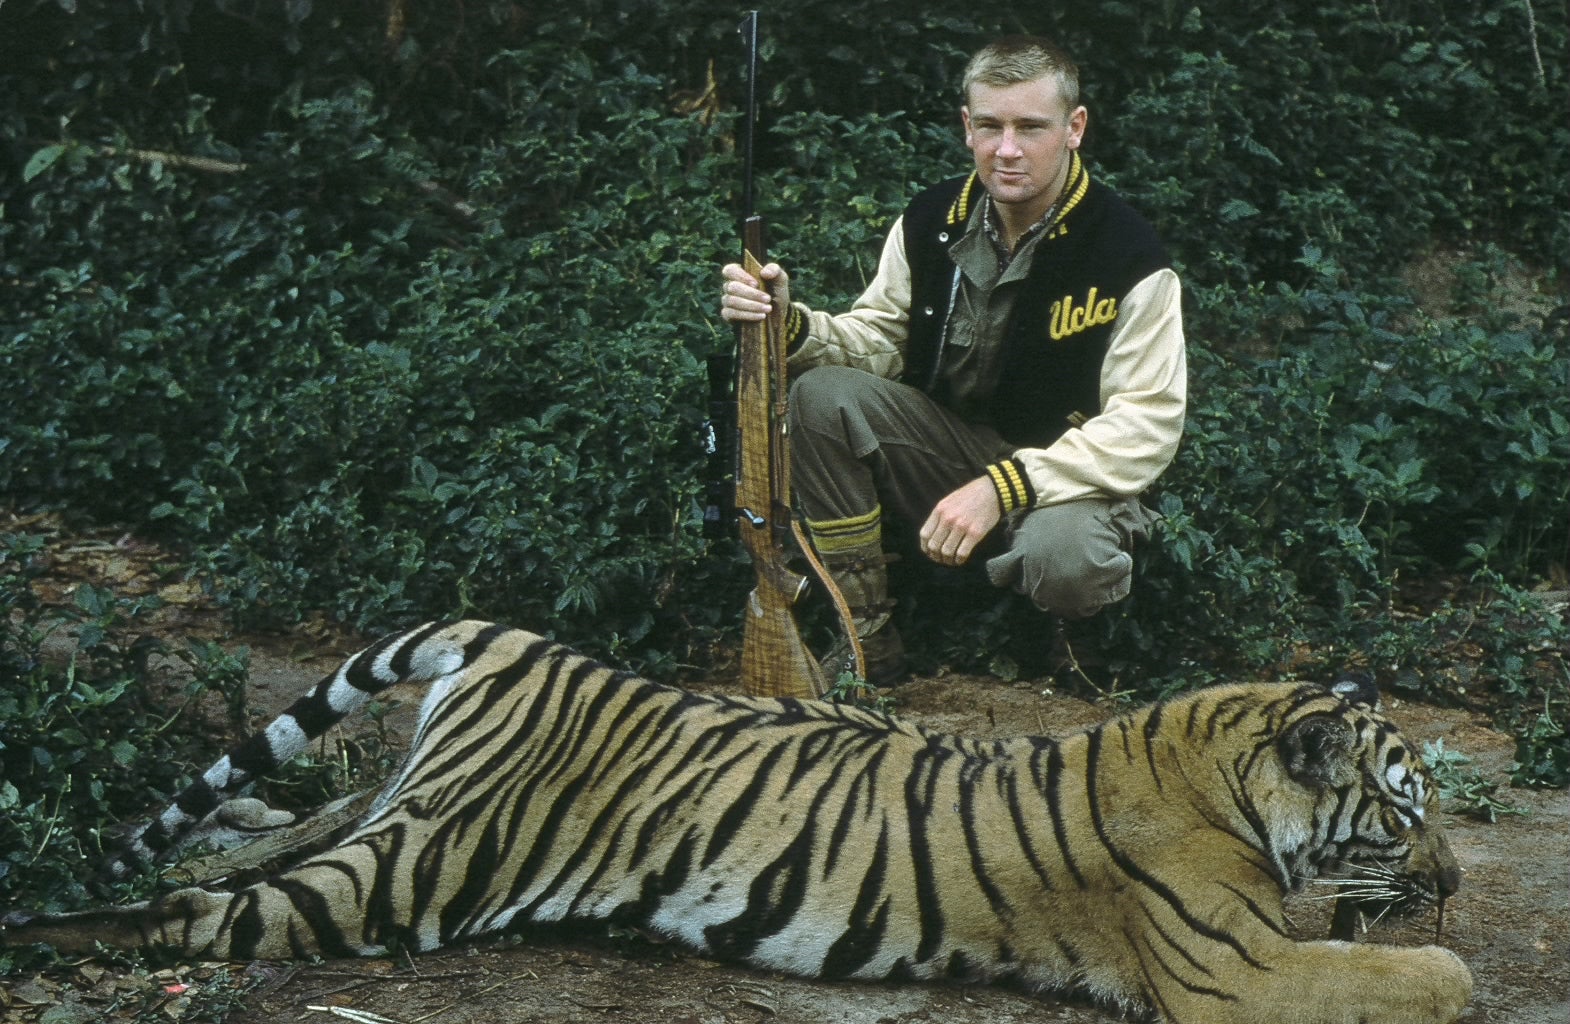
{"type": "Point", "coordinates": [1358, 890]}
{"type": "Point", "coordinates": [1379, 917]}
{"type": "Point", "coordinates": [1365, 882]}
{"type": "Point", "coordinates": [1369, 885]}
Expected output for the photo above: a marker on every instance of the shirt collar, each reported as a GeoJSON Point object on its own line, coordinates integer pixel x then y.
{"type": "Point", "coordinates": [1073, 191]}
{"type": "Point", "coordinates": [990, 223]}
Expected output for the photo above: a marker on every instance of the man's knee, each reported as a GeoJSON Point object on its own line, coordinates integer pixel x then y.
{"type": "Point", "coordinates": [822, 396]}
{"type": "Point", "coordinates": [1071, 560]}
{"type": "Point", "coordinates": [1079, 588]}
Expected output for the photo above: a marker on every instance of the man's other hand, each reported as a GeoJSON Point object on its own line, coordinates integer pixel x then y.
{"type": "Point", "coordinates": [960, 521]}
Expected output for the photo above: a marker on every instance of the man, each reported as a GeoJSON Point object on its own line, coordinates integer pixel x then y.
{"type": "Point", "coordinates": [1017, 365]}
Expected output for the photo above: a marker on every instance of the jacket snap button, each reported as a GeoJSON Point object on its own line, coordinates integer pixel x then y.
{"type": "Point", "coordinates": [943, 236]}
{"type": "Point", "coordinates": [928, 310]}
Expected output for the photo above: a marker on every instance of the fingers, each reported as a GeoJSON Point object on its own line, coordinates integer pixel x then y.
{"type": "Point", "coordinates": [951, 549]}
{"type": "Point", "coordinates": [745, 298]}
{"type": "Point", "coordinates": [946, 542]}
{"type": "Point", "coordinates": [736, 272]}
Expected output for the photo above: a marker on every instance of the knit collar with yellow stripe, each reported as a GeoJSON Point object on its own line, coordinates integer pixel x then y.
{"type": "Point", "coordinates": [1074, 190]}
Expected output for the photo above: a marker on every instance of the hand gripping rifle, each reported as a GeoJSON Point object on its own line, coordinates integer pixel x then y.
{"type": "Point", "coordinates": [774, 660]}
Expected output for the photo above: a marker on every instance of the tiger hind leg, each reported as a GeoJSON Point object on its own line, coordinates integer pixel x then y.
{"type": "Point", "coordinates": [333, 905]}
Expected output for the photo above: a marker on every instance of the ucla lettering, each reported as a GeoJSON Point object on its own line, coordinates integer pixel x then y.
{"type": "Point", "coordinates": [1070, 319]}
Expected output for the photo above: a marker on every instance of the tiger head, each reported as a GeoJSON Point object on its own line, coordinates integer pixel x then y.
{"type": "Point", "coordinates": [1372, 831]}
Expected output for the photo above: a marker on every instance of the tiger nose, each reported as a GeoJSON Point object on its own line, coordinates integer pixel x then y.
{"type": "Point", "coordinates": [1446, 872]}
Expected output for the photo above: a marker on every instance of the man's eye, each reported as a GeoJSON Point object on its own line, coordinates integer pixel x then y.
{"type": "Point", "coordinates": [1027, 130]}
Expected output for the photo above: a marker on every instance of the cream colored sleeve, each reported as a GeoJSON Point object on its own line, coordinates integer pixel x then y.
{"type": "Point", "coordinates": [871, 334]}
{"type": "Point", "coordinates": [1144, 392]}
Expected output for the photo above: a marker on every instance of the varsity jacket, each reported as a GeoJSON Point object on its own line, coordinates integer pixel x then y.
{"type": "Point", "coordinates": [1093, 388]}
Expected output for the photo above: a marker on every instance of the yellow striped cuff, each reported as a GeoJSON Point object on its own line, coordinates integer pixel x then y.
{"type": "Point", "coordinates": [795, 325]}
{"type": "Point", "coordinates": [1013, 486]}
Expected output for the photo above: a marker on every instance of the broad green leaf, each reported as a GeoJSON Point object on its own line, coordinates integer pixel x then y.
{"type": "Point", "coordinates": [41, 161]}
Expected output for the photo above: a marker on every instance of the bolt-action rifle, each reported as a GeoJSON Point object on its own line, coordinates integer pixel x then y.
{"type": "Point", "coordinates": [775, 662]}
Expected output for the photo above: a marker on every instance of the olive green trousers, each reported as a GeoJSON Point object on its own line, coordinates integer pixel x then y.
{"type": "Point", "coordinates": [861, 444]}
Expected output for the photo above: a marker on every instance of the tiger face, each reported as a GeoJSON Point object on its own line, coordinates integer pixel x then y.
{"type": "Point", "coordinates": [1376, 799]}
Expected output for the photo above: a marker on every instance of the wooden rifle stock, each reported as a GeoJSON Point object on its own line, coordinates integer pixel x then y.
{"type": "Point", "coordinates": [775, 661]}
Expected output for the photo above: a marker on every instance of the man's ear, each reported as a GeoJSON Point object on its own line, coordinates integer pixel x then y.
{"type": "Point", "coordinates": [1078, 120]}
{"type": "Point", "coordinates": [1317, 751]}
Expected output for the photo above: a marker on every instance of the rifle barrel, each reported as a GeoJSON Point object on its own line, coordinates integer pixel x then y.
{"type": "Point", "coordinates": [749, 31]}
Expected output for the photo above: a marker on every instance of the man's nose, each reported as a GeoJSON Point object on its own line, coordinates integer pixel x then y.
{"type": "Point", "coordinates": [1009, 146]}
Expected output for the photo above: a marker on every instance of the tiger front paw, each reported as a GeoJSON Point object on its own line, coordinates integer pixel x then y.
{"type": "Point", "coordinates": [1454, 985]}
{"type": "Point", "coordinates": [1438, 989]}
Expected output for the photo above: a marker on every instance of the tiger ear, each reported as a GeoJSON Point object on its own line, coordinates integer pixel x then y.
{"type": "Point", "coordinates": [1357, 688]}
{"type": "Point", "coordinates": [1317, 751]}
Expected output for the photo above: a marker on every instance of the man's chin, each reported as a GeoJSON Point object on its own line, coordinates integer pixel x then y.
{"type": "Point", "coordinates": [1014, 192]}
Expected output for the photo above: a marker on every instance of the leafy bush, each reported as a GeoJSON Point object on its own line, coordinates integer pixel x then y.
{"type": "Point", "coordinates": [1542, 756]}
{"type": "Point", "coordinates": [1322, 487]}
{"type": "Point", "coordinates": [407, 319]}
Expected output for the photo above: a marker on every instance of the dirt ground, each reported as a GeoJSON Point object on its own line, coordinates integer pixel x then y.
{"type": "Point", "coordinates": [1510, 922]}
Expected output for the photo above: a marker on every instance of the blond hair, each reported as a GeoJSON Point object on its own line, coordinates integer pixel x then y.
{"type": "Point", "coordinates": [1015, 59]}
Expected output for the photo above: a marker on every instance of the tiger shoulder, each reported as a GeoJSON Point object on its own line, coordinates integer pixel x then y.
{"type": "Point", "coordinates": [1143, 859]}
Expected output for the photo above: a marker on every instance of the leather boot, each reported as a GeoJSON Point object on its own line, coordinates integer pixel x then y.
{"type": "Point", "coordinates": [863, 578]}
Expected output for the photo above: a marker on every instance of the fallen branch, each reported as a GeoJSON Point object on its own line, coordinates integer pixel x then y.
{"type": "Point", "coordinates": [459, 209]}
{"type": "Point", "coordinates": [194, 163]}
{"type": "Point", "coordinates": [1531, 27]}
{"type": "Point", "coordinates": [456, 207]}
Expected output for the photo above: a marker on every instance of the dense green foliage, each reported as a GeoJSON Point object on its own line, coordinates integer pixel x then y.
{"type": "Point", "coordinates": [83, 742]}
{"type": "Point", "coordinates": [396, 311]}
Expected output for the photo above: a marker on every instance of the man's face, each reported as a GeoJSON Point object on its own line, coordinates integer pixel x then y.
{"type": "Point", "coordinates": [1021, 136]}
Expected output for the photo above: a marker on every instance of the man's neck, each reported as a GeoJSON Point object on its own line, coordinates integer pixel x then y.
{"type": "Point", "coordinates": [1015, 219]}
{"type": "Point", "coordinates": [1007, 237]}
